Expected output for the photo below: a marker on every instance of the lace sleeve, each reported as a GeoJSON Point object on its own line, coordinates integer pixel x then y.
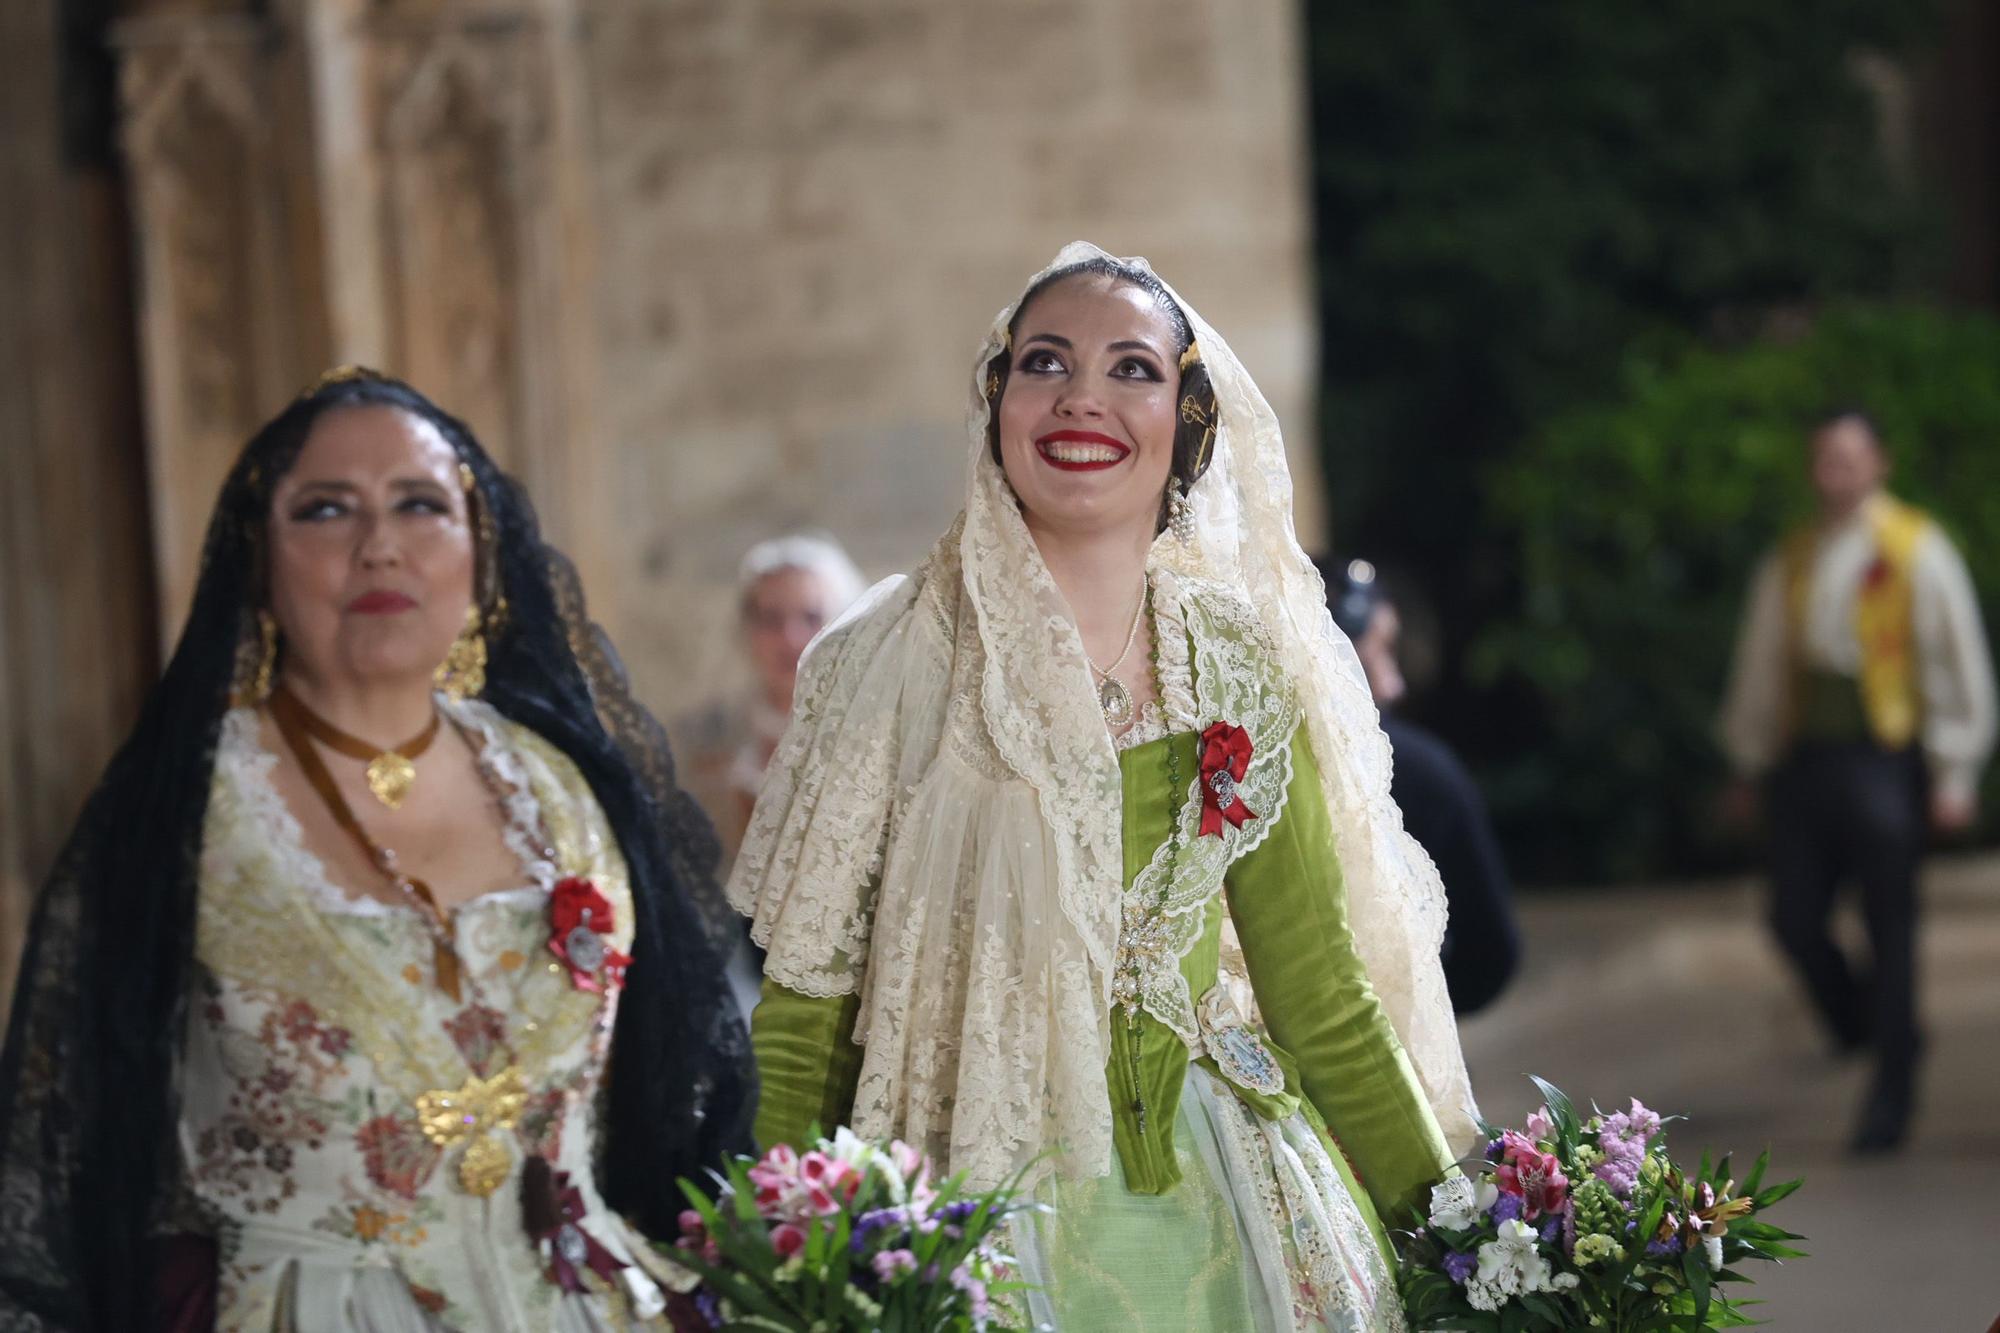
{"type": "Point", "coordinates": [815, 843]}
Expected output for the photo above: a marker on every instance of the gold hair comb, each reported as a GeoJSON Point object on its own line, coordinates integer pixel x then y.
{"type": "Point", "coordinates": [339, 375]}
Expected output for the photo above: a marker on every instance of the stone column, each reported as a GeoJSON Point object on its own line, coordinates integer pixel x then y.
{"type": "Point", "coordinates": [221, 331]}
{"type": "Point", "coordinates": [393, 184]}
{"type": "Point", "coordinates": [76, 627]}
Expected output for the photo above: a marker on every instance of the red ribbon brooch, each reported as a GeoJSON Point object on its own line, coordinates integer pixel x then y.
{"type": "Point", "coordinates": [1225, 753]}
{"type": "Point", "coordinates": [579, 920]}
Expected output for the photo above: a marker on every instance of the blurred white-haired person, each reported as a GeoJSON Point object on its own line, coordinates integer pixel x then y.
{"type": "Point", "coordinates": [789, 588]}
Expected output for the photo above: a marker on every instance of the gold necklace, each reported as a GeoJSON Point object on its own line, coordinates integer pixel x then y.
{"type": "Point", "coordinates": [1112, 696]}
{"type": "Point", "coordinates": [391, 772]}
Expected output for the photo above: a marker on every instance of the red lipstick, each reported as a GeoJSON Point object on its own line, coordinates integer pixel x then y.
{"type": "Point", "coordinates": [380, 602]}
{"type": "Point", "coordinates": [1043, 446]}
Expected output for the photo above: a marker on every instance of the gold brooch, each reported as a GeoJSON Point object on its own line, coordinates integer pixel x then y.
{"type": "Point", "coordinates": [475, 1115]}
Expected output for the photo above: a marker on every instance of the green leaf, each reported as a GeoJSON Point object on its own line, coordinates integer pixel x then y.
{"type": "Point", "coordinates": [1694, 1266]}
{"type": "Point", "coordinates": [1756, 1179]}
{"type": "Point", "coordinates": [1560, 1108]}
{"type": "Point", "coordinates": [1765, 1198]}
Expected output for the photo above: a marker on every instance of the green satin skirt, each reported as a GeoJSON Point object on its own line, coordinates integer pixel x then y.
{"type": "Point", "coordinates": [1267, 1232]}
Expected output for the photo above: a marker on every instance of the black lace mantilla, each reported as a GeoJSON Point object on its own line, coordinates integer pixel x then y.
{"type": "Point", "coordinates": [88, 1098]}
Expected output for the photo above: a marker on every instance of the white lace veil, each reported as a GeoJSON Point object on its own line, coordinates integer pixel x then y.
{"type": "Point", "coordinates": [940, 828]}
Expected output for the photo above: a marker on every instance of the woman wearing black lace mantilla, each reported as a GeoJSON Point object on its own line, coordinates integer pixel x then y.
{"type": "Point", "coordinates": [377, 987]}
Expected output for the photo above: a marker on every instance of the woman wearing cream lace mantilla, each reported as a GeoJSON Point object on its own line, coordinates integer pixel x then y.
{"type": "Point", "coordinates": [1022, 790]}
{"type": "Point", "coordinates": [372, 994]}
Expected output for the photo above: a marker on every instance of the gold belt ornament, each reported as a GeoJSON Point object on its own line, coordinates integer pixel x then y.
{"type": "Point", "coordinates": [476, 1115]}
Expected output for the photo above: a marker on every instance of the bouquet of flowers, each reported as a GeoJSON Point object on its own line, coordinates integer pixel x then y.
{"type": "Point", "coordinates": [849, 1235]}
{"type": "Point", "coordinates": [1569, 1223]}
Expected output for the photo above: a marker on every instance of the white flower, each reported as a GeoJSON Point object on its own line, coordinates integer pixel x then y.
{"type": "Point", "coordinates": [1511, 1264]}
{"type": "Point", "coordinates": [1563, 1281]}
{"type": "Point", "coordinates": [1483, 1295]}
{"type": "Point", "coordinates": [849, 1147]}
{"type": "Point", "coordinates": [1712, 1246]}
{"type": "Point", "coordinates": [1457, 1203]}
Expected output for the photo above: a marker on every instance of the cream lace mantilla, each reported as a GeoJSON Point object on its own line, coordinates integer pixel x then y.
{"type": "Point", "coordinates": [940, 829]}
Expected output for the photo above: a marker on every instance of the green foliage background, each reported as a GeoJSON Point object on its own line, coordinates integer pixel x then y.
{"type": "Point", "coordinates": [1520, 210]}
{"type": "Point", "coordinates": [1635, 525]}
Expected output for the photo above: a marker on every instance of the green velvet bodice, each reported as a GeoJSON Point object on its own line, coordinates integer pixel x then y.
{"type": "Point", "coordinates": [1344, 1067]}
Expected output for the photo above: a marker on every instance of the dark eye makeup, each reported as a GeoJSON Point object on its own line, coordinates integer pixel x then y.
{"type": "Point", "coordinates": [317, 509]}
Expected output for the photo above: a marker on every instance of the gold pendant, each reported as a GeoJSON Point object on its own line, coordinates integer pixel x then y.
{"type": "Point", "coordinates": [471, 1115]}
{"type": "Point", "coordinates": [390, 777]}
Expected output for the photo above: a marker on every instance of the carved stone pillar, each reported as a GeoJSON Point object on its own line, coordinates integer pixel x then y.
{"type": "Point", "coordinates": [219, 315]}
{"type": "Point", "coordinates": [401, 185]}
{"type": "Point", "coordinates": [466, 185]}
{"type": "Point", "coordinates": [76, 631]}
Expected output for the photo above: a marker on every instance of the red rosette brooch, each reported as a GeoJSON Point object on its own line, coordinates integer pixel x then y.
{"type": "Point", "coordinates": [580, 923]}
{"type": "Point", "coordinates": [1225, 754]}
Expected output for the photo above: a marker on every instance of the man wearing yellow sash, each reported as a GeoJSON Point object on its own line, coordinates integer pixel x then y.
{"type": "Point", "coordinates": [1863, 697]}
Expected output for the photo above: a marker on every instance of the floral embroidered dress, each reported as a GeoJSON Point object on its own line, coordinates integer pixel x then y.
{"type": "Point", "coordinates": [356, 1137]}
{"type": "Point", "coordinates": [1229, 1205]}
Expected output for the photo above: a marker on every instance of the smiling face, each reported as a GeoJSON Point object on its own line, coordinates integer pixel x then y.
{"type": "Point", "coordinates": [371, 550]}
{"type": "Point", "coordinates": [1086, 423]}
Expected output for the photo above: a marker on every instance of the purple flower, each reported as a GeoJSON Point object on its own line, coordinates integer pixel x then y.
{"type": "Point", "coordinates": [1620, 1168]}
{"type": "Point", "coordinates": [1550, 1226]}
{"type": "Point", "coordinates": [890, 1264]}
{"type": "Point", "coordinates": [709, 1306]}
{"type": "Point", "coordinates": [1459, 1266]}
{"type": "Point", "coordinates": [1505, 1209]}
{"type": "Point", "coordinates": [877, 1218]}
{"type": "Point", "coordinates": [1495, 1148]}
{"type": "Point", "coordinates": [1658, 1248]}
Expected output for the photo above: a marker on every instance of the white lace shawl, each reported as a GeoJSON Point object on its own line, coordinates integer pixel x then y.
{"type": "Point", "coordinates": [940, 829]}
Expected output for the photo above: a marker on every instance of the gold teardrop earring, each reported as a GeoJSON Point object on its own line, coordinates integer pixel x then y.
{"type": "Point", "coordinates": [256, 675]}
{"type": "Point", "coordinates": [462, 674]}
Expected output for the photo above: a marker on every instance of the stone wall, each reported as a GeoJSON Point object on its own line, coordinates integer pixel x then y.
{"type": "Point", "coordinates": [76, 610]}
{"type": "Point", "coordinates": [700, 271]}
{"type": "Point", "coordinates": [809, 210]}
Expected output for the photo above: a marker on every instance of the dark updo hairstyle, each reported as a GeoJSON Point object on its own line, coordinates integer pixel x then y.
{"type": "Point", "coordinates": [1194, 436]}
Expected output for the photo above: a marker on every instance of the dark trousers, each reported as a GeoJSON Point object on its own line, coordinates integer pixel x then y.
{"type": "Point", "coordinates": [1841, 812]}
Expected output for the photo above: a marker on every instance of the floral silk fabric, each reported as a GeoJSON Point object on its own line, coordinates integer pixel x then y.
{"type": "Point", "coordinates": [316, 1031]}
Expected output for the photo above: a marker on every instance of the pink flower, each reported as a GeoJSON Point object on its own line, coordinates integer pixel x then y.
{"type": "Point", "coordinates": [1541, 1126]}
{"type": "Point", "coordinates": [788, 1239]}
{"type": "Point", "coordinates": [908, 1161]}
{"type": "Point", "coordinates": [975, 1291]}
{"type": "Point", "coordinates": [691, 1224]}
{"type": "Point", "coordinates": [776, 1180]}
{"type": "Point", "coordinates": [1638, 1125]}
{"type": "Point", "coordinates": [829, 1182]}
{"type": "Point", "coordinates": [1533, 1176]}
{"type": "Point", "coordinates": [891, 1263]}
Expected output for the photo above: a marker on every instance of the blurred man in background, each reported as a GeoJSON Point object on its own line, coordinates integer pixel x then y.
{"type": "Point", "coordinates": [1862, 696]}
{"type": "Point", "coordinates": [1442, 808]}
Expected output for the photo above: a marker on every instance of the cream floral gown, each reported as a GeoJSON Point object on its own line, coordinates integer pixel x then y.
{"type": "Point", "coordinates": [355, 1137]}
